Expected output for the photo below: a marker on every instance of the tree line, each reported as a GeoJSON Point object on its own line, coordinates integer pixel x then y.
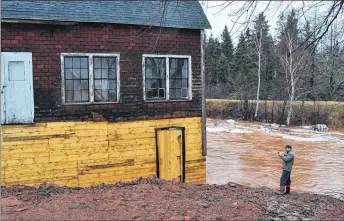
{"type": "Point", "coordinates": [285, 68]}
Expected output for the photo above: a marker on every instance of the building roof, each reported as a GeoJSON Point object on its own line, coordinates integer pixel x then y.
{"type": "Point", "coordinates": [177, 14]}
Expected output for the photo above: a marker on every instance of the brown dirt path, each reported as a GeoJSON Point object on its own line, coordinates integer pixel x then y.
{"type": "Point", "coordinates": [153, 199]}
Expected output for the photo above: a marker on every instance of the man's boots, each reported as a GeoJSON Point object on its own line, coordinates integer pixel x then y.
{"type": "Point", "coordinates": [281, 191]}
{"type": "Point", "coordinates": [287, 191]}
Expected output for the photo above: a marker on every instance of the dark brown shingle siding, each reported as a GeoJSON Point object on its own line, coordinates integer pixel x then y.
{"type": "Point", "coordinates": [47, 42]}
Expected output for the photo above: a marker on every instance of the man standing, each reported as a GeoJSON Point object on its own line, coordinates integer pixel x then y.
{"type": "Point", "coordinates": [287, 165]}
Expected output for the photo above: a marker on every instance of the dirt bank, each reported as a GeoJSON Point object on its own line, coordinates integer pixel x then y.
{"type": "Point", "coordinates": [152, 199]}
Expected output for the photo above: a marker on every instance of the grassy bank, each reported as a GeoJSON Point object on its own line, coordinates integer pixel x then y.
{"type": "Point", "coordinates": [305, 113]}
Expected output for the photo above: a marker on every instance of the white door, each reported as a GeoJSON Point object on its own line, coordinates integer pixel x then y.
{"type": "Point", "coordinates": [17, 88]}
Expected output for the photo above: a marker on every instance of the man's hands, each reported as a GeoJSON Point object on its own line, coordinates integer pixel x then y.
{"type": "Point", "coordinates": [280, 154]}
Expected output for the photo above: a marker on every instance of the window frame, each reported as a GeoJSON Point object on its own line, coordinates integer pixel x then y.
{"type": "Point", "coordinates": [167, 60]}
{"type": "Point", "coordinates": [91, 77]}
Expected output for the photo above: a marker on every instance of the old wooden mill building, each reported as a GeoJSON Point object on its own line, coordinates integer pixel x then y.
{"type": "Point", "coordinates": [102, 91]}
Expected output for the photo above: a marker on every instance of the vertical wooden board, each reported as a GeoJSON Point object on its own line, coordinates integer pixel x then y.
{"type": "Point", "coordinates": [161, 144]}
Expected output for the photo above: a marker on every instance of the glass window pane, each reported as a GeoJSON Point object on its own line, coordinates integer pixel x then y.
{"type": "Point", "coordinates": [156, 66]}
{"type": "Point", "coordinates": [154, 83]}
{"type": "Point", "coordinates": [84, 62]}
{"type": "Point", "coordinates": [112, 85]}
{"type": "Point", "coordinates": [69, 96]}
{"type": "Point", "coordinates": [105, 62]}
{"type": "Point", "coordinates": [77, 85]}
{"type": "Point", "coordinates": [69, 73]}
{"type": "Point", "coordinates": [184, 93]}
{"type": "Point", "coordinates": [112, 95]}
{"type": "Point", "coordinates": [173, 63]}
{"type": "Point", "coordinates": [105, 73]}
{"type": "Point", "coordinates": [76, 62]}
{"type": "Point", "coordinates": [84, 95]}
{"type": "Point", "coordinates": [162, 83]}
{"type": "Point", "coordinates": [161, 93]}
{"type": "Point", "coordinates": [69, 85]}
{"type": "Point", "coordinates": [112, 62]}
{"type": "Point", "coordinates": [178, 93]}
{"type": "Point", "coordinates": [84, 84]}
{"type": "Point", "coordinates": [178, 83]}
{"type": "Point", "coordinates": [97, 95]}
{"type": "Point", "coordinates": [97, 73]}
{"type": "Point", "coordinates": [97, 63]}
{"type": "Point", "coordinates": [76, 73]}
{"type": "Point", "coordinates": [172, 83]}
{"type": "Point", "coordinates": [84, 73]}
{"type": "Point", "coordinates": [77, 96]}
{"type": "Point", "coordinates": [98, 84]}
{"type": "Point", "coordinates": [148, 83]}
{"type": "Point", "coordinates": [68, 62]}
{"type": "Point", "coordinates": [172, 93]}
{"type": "Point", "coordinates": [185, 73]}
{"type": "Point", "coordinates": [105, 84]}
{"type": "Point", "coordinates": [155, 92]}
{"type": "Point", "coordinates": [184, 83]}
{"type": "Point", "coordinates": [148, 73]}
{"type": "Point", "coordinates": [172, 73]}
{"type": "Point", "coordinates": [105, 95]}
{"type": "Point", "coordinates": [112, 73]}
{"type": "Point", "coordinates": [149, 94]}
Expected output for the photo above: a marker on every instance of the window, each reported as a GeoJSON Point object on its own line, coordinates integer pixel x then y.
{"type": "Point", "coordinates": [167, 77]}
{"type": "Point", "coordinates": [90, 78]}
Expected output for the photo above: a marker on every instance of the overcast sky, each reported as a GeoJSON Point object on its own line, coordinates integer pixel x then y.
{"type": "Point", "coordinates": [218, 19]}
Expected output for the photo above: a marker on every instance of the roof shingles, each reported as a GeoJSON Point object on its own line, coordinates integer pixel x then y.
{"type": "Point", "coordinates": [176, 14]}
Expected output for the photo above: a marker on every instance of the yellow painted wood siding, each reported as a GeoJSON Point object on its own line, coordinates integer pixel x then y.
{"type": "Point", "coordinates": [90, 153]}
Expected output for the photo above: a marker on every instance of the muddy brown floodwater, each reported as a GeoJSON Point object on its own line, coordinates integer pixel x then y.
{"type": "Point", "coordinates": [246, 153]}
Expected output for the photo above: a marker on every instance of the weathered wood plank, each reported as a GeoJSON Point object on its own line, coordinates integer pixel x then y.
{"type": "Point", "coordinates": [90, 153]}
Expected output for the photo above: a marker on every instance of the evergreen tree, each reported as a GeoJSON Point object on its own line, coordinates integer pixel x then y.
{"type": "Point", "coordinates": [221, 71]}
{"type": "Point", "coordinates": [227, 44]}
{"type": "Point", "coordinates": [213, 53]}
{"type": "Point", "coordinates": [243, 78]}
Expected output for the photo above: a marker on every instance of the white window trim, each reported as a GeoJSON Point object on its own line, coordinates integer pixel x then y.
{"type": "Point", "coordinates": [91, 84]}
{"type": "Point", "coordinates": [167, 76]}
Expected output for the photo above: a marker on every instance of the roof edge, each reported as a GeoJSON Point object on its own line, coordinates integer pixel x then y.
{"type": "Point", "coordinates": [73, 22]}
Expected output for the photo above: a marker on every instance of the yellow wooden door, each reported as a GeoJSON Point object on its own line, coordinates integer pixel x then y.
{"type": "Point", "coordinates": [170, 154]}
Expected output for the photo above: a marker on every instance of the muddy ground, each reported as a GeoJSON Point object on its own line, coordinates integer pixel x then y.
{"type": "Point", "coordinates": [153, 199]}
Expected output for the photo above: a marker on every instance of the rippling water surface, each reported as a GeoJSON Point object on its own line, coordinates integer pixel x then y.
{"type": "Point", "coordinates": [246, 153]}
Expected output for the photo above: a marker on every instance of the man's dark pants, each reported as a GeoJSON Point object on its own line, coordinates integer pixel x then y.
{"type": "Point", "coordinates": [285, 181]}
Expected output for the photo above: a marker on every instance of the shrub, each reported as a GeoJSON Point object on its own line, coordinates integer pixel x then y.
{"type": "Point", "coordinates": [304, 113]}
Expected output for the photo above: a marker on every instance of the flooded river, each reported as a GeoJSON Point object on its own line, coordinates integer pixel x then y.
{"type": "Point", "coordinates": [246, 153]}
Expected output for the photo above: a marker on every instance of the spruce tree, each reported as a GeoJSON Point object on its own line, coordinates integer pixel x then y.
{"type": "Point", "coordinates": [227, 44]}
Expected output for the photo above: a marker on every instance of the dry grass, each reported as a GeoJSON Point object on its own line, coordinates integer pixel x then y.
{"type": "Point", "coordinates": [305, 113]}
{"type": "Point", "coordinates": [306, 103]}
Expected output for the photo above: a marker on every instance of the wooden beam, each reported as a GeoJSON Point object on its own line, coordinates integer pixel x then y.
{"type": "Point", "coordinates": [204, 117]}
